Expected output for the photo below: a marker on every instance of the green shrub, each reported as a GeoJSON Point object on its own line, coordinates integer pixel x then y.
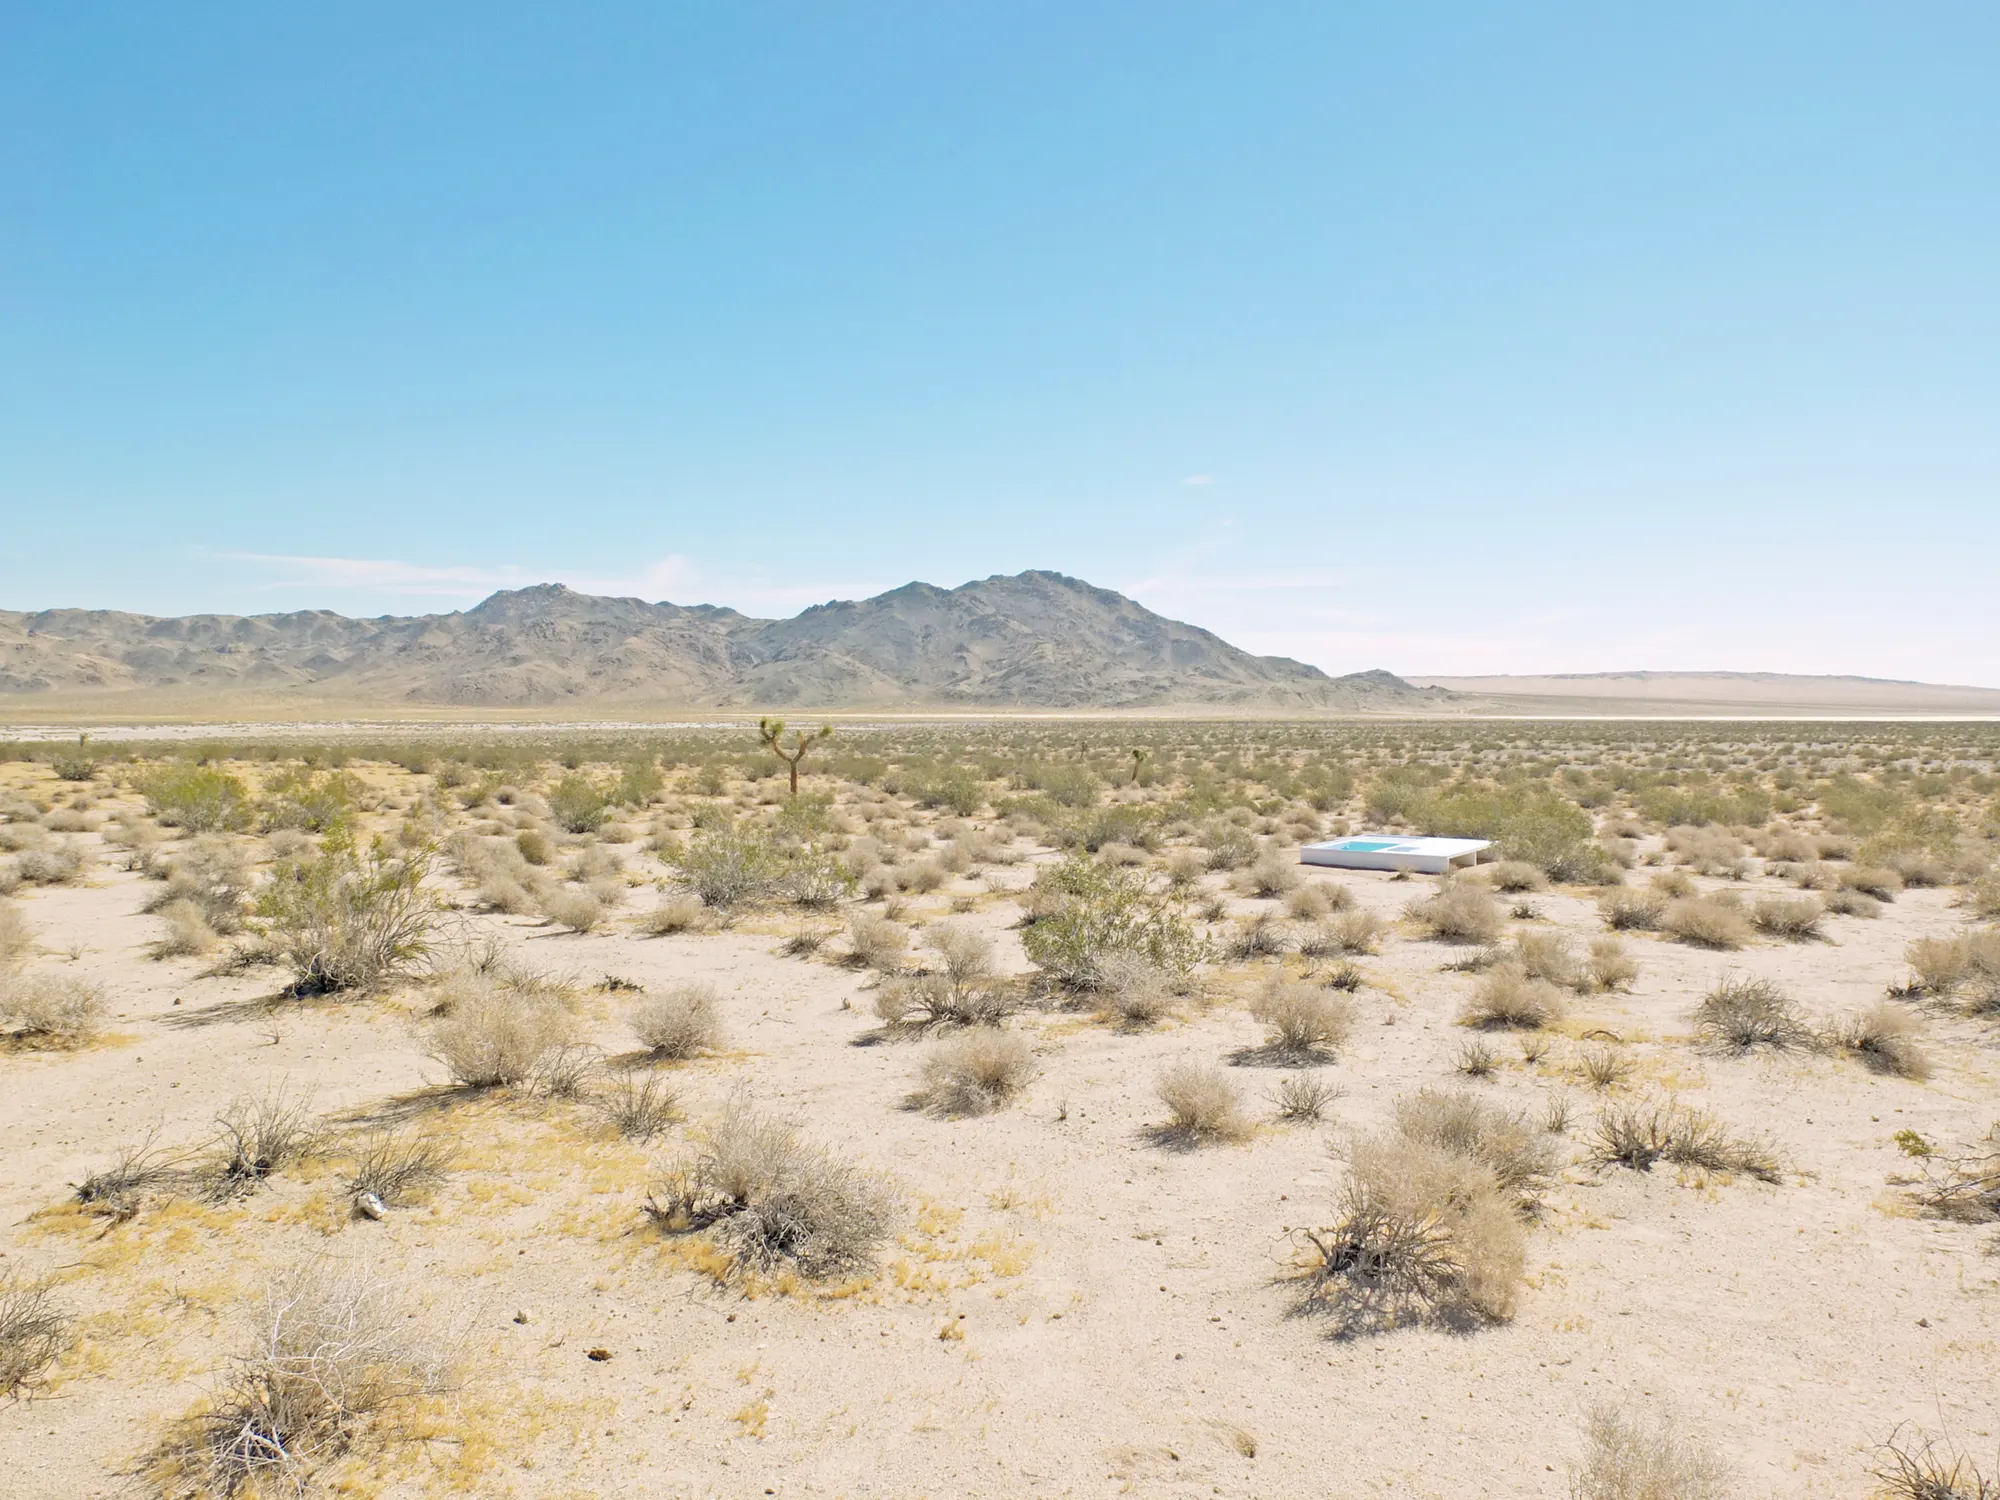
{"type": "Point", "coordinates": [77, 766]}
{"type": "Point", "coordinates": [1096, 911]}
{"type": "Point", "coordinates": [312, 800]}
{"type": "Point", "coordinates": [1700, 803]}
{"type": "Point", "coordinates": [1527, 825]}
{"type": "Point", "coordinates": [640, 782]}
{"type": "Point", "coordinates": [578, 805]}
{"type": "Point", "coordinates": [956, 791]}
{"type": "Point", "coordinates": [1859, 807]}
{"type": "Point", "coordinates": [1126, 823]}
{"type": "Point", "coordinates": [725, 868]}
{"type": "Point", "coordinates": [1066, 786]}
{"type": "Point", "coordinates": [814, 879]}
{"type": "Point", "coordinates": [1397, 794]}
{"type": "Point", "coordinates": [347, 920]}
{"type": "Point", "coordinates": [200, 799]}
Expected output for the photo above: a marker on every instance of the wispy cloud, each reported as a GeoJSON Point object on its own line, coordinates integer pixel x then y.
{"type": "Point", "coordinates": [673, 577]}
{"type": "Point", "coordinates": [1199, 479]}
{"type": "Point", "coordinates": [379, 575]}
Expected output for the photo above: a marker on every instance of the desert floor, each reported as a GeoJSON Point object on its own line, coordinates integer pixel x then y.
{"type": "Point", "coordinates": [1067, 1308]}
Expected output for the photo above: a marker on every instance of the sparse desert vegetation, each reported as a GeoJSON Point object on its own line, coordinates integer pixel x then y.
{"type": "Point", "coordinates": [601, 1082]}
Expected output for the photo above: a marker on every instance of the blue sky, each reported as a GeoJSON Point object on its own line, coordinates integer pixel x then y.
{"type": "Point", "coordinates": [1441, 337]}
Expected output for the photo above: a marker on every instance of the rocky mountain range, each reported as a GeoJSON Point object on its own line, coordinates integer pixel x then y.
{"type": "Point", "coordinates": [1032, 640]}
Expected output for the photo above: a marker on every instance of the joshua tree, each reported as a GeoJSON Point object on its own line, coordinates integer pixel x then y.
{"type": "Point", "coordinates": [772, 731]}
{"type": "Point", "coordinates": [1138, 760]}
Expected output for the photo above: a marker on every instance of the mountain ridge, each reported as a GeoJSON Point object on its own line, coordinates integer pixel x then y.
{"type": "Point", "coordinates": [1036, 639]}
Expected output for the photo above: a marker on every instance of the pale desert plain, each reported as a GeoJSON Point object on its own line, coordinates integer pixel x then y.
{"type": "Point", "coordinates": [1061, 1288]}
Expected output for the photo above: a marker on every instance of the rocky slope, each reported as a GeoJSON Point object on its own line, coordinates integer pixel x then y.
{"type": "Point", "coordinates": [1034, 640]}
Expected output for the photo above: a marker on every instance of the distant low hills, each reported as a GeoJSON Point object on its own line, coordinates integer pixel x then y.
{"type": "Point", "coordinates": [1036, 640]}
{"type": "Point", "coordinates": [1729, 694]}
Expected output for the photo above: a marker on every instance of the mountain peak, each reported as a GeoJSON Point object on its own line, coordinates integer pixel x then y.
{"type": "Point", "coordinates": [1032, 640]}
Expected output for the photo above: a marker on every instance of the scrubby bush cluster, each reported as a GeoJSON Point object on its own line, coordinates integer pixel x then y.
{"type": "Point", "coordinates": [330, 1350]}
{"type": "Point", "coordinates": [771, 1200]}
{"type": "Point", "coordinates": [1430, 1224]}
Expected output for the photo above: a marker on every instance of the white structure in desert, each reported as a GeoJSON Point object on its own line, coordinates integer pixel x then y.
{"type": "Point", "coordinates": [1383, 851]}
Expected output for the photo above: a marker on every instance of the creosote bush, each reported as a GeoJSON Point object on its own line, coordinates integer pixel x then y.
{"type": "Point", "coordinates": [972, 1072]}
{"type": "Point", "coordinates": [725, 868]}
{"type": "Point", "coordinates": [771, 1201]}
{"type": "Point", "coordinates": [680, 1022]}
{"type": "Point", "coordinates": [1087, 912]}
{"type": "Point", "coordinates": [201, 799]}
{"type": "Point", "coordinates": [345, 920]}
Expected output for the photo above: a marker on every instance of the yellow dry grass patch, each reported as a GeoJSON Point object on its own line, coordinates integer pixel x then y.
{"type": "Point", "coordinates": [460, 1445]}
{"type": "Point", "coordinates": [938, 1259]}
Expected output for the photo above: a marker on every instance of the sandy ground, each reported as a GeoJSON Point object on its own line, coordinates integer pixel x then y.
{"type": "Point", "coordinates": [1069, 1309]}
